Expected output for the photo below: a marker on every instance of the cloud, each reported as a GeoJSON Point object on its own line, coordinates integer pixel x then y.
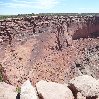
{"type": "Point", "coordinates": [37, 4]}
{"type": "Point", "coordinates": [87, 10]}
{"type": "Point", "coordinates": [46, 3]}
{"type": "Point", "coordinates": [18, 4]}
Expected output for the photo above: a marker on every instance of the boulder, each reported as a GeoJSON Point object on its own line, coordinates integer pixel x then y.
{"type": "Point", "coordinates": [28, 91]}
{"type": "Point", "coordinates": [80, 96]}
{"type": "Point", "coordinates": [52, 90]}
{"type": "Point", "coordinates": [7, 91]}
{"type": "Point", "coordinates": [86, 85]}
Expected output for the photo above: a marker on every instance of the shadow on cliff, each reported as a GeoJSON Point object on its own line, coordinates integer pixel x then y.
{"type": "Point", "coordinates": [78, 35]}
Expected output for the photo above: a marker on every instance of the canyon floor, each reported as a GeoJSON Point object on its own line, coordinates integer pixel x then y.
{"type": "Point", "coordinates": [51, 48]}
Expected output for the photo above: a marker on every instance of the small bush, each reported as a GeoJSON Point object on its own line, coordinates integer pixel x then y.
{"type": "Point", "coordinates": [1, 75]}
{"type": "Point", "coordinates": [18, 90]}
{"type": "Point", "coordinates": [1, 79]}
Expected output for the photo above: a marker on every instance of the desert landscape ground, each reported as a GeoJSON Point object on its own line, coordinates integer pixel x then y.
{"type": "Point", "coordinates": [54, 48]}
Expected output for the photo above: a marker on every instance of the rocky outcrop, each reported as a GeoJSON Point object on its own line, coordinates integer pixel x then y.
{"type": "Point", "coordinates": [7, 91]}
{"type": "Point", "coordinates": [81, 87]}
{"type": "Point", "coordinates": [54, 48]}
{"type": "Point", "coordinates": [65, 28]}
{"type": "Point", "coordinates": [52, 90]}
{"type": "Point", "coordinates": [28, 91]}
{"type": "Point", "coordinates": [86, 85]}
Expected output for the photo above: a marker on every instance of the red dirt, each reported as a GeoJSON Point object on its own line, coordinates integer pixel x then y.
{"type": "Point", "coordinates": [49, 48]}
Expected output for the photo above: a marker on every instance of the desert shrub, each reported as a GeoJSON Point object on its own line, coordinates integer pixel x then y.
{"type": "Point", "coordinates": [18, 89]}
{"type": "Point", "coordinates": [1, 74]}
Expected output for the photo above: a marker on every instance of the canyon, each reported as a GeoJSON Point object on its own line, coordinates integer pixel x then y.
{"type": "Point", "coordinates": [51, 48]}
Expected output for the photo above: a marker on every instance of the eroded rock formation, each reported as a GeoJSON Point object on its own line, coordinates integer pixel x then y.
{"type": "Point", "coordinates": [51, 48]}
{"type": "Point", "coordinates": [81, 87]}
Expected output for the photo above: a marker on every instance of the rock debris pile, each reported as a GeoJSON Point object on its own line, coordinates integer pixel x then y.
{"type": "Point", "coordinates": [81, 87]}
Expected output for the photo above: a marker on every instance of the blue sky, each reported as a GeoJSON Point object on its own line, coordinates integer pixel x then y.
{"type": "Point", "coordinates": [48, 6]}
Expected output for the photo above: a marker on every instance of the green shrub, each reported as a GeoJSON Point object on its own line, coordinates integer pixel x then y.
{"type": "Point", "coordinates": [18, 90]}
{"type": "Point", "coordinates": [1, 75]}
{"type": "Point", "coordinates": [1, 78]}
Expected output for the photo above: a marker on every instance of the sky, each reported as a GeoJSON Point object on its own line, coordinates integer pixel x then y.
{"type": "Point", "coordinates": [12, 7]}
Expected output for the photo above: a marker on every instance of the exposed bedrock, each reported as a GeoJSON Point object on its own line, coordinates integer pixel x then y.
{"type": "Point", "coordinates": [81, 87]}
{"type": "Point", "coordinates": [65, 28]}
{"type": "Point", "coordinates": [49, 47]}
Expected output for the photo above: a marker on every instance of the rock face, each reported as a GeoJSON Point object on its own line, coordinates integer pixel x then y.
{"type": "Point", "coordinates": [55, 48]}
{"type": "Point", "coordinates": [7, 91]}
{"type": "Point", "coordinates": [86, 85]}
{"type": "Point", "coordinates": [52, 90]}
{"type": "Point", "coordinates": [28, 91]}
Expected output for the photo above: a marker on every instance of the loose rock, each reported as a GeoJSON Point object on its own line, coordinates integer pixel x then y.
{"type": "Point", "coordinates": [52, 90]}
{"type": "Point", "coordinates": [86, 85]}
{"type": "Point", "coordinates": [28, 91]}
{"type": "Point", "coordinates": [7, 91]}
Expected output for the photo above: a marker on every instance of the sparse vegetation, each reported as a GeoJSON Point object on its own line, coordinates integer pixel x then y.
{"type": "Point", "coordinates": [15, 16]}
{"type": "Point", "coordinates": [1, 75]}
{"type": "Point", "coordinates": [47, 14]}
{"type": "Point", "coordinates": [18, 90]}
{"type": "Point", "coordinates": [6, 16]}
{"type": "Point", "coordinates": [1, 79]}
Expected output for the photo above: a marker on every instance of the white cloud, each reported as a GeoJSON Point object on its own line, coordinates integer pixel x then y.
{"type": "Point", "coordinates": [87, 10]}
{"type": "Point", "coordinates": [46, 3]}
{"type": "Point", "coordinates": [18, 4]}
{"type": "Point", "coordinates": [38, 4]}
